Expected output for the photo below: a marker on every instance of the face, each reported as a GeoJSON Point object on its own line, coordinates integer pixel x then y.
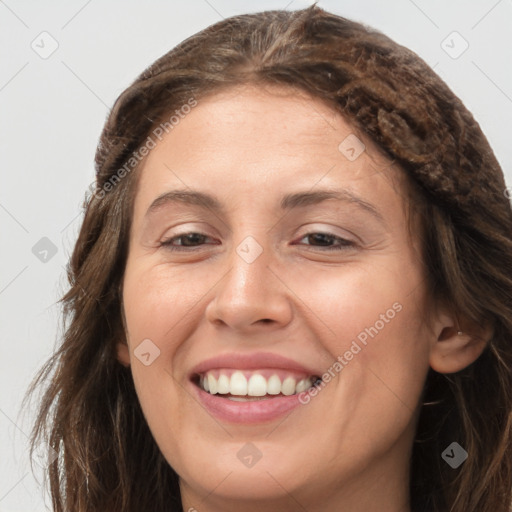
{"type": "Point", "coordinates": [269, 251]}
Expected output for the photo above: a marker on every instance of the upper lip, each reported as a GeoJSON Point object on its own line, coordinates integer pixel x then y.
{"type": "Point", "coordinates": [254, 361]}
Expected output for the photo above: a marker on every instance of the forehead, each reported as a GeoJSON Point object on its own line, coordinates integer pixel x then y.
{"type": "Point", "coordinates": [252, 144]}
{"type": "Point", "coordinates": [273, 119]}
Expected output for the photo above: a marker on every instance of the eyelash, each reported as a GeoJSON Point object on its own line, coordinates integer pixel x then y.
{"type": "Point", "coordinates": [345, 244]}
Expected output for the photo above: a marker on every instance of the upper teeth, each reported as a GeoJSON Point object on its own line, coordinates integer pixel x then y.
{"type": "Point", "coordinates": [255, 385]}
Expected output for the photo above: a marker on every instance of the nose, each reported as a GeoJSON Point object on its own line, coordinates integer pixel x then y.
{"type": "Point", "coordinates": [251, 296]}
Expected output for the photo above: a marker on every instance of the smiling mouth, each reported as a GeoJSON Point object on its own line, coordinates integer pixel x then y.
{"type": "Point", "coordinates": [253, 385]}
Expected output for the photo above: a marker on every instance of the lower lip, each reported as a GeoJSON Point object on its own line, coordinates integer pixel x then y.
{"type": "Point", "coordinates": [247, 412]}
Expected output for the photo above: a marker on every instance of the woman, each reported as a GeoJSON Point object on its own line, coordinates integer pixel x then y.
{"type": "Point", "coordinates": [291, 287]}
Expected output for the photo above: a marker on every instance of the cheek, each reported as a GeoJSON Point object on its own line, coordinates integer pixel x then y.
{"type": "Point", "coordinates": [370, 321]}
{"type": "Point", "coordinates": [362, 303]}
{"type": "Point", "coordinates": [160, 301]}
{"type": "Point", "coordinates": [159, 309]}
{"type": "Point", "coordinates": [158, 318]}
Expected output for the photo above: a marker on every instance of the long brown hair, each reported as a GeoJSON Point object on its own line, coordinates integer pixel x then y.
{"type": "Point", "coordinates": [89, 413]}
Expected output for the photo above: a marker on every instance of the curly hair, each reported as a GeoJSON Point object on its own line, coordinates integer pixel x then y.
{"type": "Point", "coordinates": [89, 413]}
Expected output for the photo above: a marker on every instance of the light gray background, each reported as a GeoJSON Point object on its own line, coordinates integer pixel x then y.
{"type": "Point", "coordinates": [52, 111]}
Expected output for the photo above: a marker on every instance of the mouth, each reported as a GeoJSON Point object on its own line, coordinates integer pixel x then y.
{"type": "Point", "coordinates": [240, 385]}
{"type": "Point", "coordinates": [251, 388]}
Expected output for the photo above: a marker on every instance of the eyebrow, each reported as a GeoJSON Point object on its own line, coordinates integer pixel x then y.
{"type": "Point", "coordinates": [288, 202]}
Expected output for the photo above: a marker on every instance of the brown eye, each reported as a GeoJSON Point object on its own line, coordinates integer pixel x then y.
{"type": "Point", "coordinates": [191, 240]}
{"type": "Point", "coordinates": [325, 241]}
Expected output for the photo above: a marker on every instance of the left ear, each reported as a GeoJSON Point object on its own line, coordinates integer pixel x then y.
{"type": "Point", "coordinates": [123, 353]}
{"type": "Point", "coordinates": [458, 343]}
{"type": "Point", "coordinates": [122, 348]}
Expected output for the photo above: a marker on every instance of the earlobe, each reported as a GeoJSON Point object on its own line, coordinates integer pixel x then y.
{"type": "Point", "coordinates": [458, 347]}
{"type": "Point", "coordinates": [123, 353]}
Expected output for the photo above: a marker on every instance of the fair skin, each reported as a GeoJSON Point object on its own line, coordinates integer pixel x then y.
{"type": "Point", "coordinates": [349, 447]}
